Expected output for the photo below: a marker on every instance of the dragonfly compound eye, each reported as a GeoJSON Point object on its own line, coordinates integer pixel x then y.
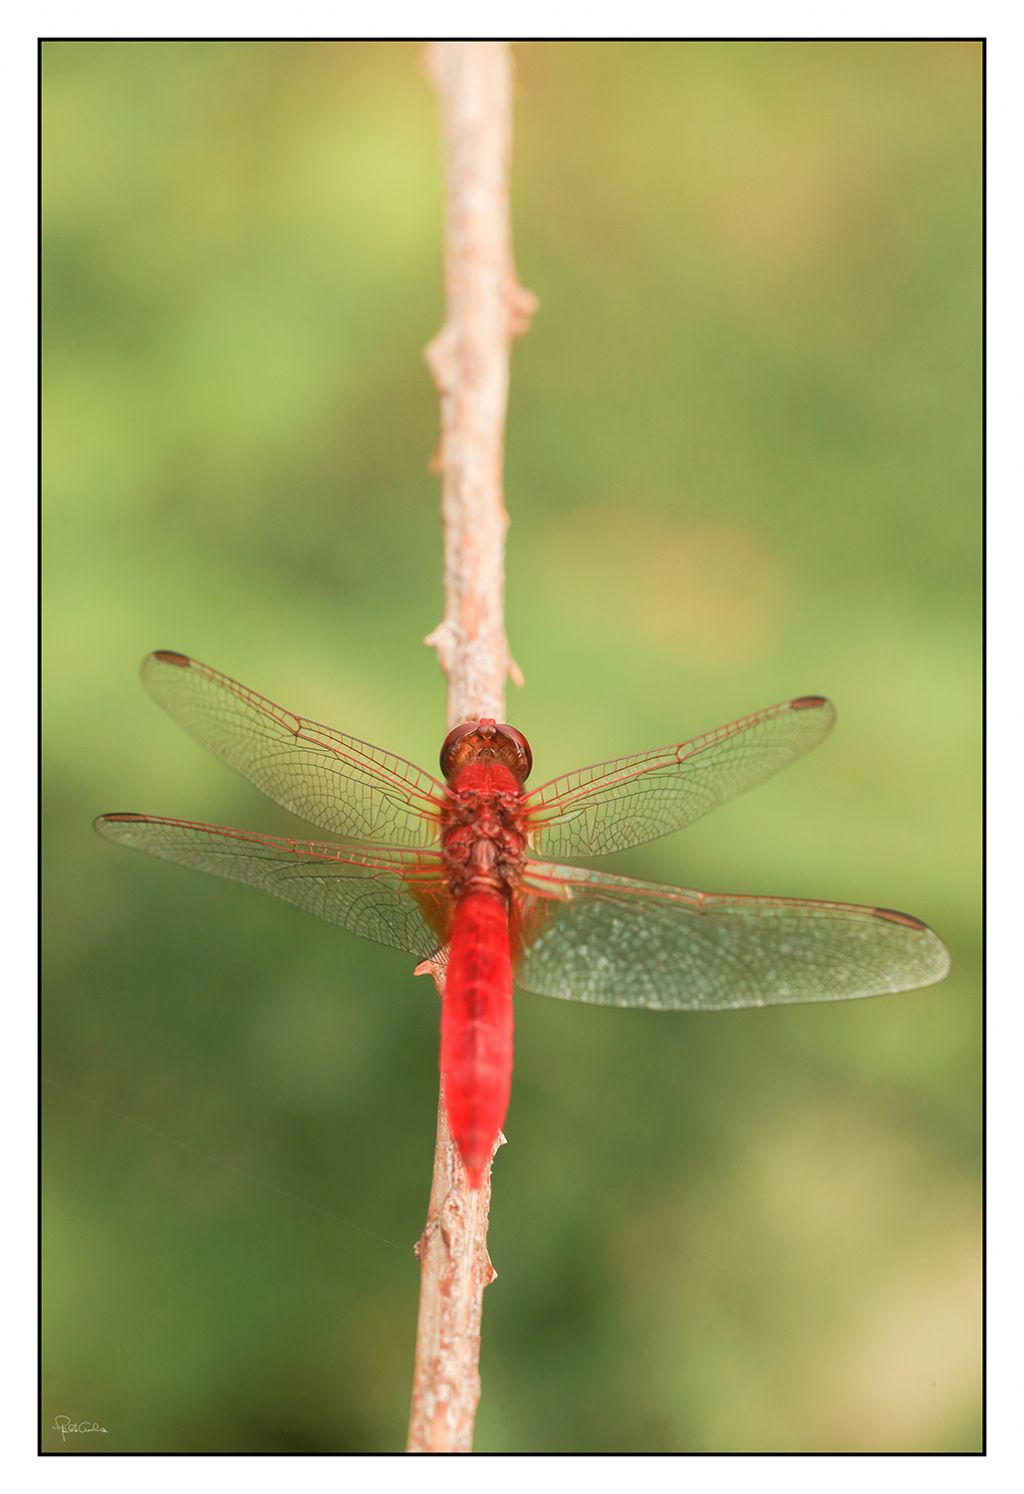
{"type": "Point", "coordinates": [486, 741]}
{"type": "Point", "coordinates": [520, 760]}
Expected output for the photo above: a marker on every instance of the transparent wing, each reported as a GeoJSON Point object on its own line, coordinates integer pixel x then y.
{"type": "Point", "coordinates": [610, 940]}
{"type": "Point", "coordinates": [394, 897]}
{"type": "Point", "coordinates": [629, 800]}
{"type": "Point", "coordinates": [346, 787]}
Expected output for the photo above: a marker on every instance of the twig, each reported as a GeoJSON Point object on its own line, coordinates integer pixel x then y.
{"type": "Point", "coordinates": [485, 310]}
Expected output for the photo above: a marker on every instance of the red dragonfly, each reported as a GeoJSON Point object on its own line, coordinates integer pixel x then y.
{"type": "Point", "coordinates": [456, 873]}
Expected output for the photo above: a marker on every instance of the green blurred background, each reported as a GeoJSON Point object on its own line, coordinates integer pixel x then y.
{"type": "Point", "coordinates": [743, 463]}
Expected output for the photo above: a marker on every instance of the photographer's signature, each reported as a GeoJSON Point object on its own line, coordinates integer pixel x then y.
{"type": "Point", "coordinates": [65, 1426]}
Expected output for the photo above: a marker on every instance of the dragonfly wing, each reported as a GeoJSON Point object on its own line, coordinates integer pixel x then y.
{"type": "Point", "coordinates": [346, 787]}
{"type": "Point", "coordinates": [613, 941]}
{"type": "Point", "coordinates": [392, 896]}
{"type": "Point", "coordinates": [629, 800]}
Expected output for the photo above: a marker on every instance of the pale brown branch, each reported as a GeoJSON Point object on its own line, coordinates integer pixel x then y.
{"type": "Point", "coordinates": [486, 309]}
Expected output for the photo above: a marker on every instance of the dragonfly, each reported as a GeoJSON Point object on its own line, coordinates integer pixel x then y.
{"type": "Point", "coordinates": [466, 873]}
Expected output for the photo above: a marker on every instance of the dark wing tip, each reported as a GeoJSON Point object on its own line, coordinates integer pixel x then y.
{"type": "Point", "coordinates": [931, 947]}
{"type": "Point", "coordinates": [107, 824]}
{"type": "Point", "coordinates": [808, 703]}
{"type": "Point", "coordinates": [171, 656]}
{"type": "Point", "coordinates": [892, 915]}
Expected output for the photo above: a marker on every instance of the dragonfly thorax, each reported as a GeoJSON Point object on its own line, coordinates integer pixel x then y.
{"type": "Point", "coordinates": [482, 837]}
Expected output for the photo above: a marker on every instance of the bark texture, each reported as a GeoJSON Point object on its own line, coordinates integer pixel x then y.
{"type": "Point", "coordinates": [486, 309]}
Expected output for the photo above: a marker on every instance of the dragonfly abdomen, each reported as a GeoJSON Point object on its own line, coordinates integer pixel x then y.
{"type": "Point", "coordinates": [476, 1027]}
{"type": "Point", "coordinates": [482, 849]}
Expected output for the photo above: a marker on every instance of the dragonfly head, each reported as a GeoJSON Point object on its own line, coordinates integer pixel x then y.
{"type": "Point", "coordinates": [486, 741]}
